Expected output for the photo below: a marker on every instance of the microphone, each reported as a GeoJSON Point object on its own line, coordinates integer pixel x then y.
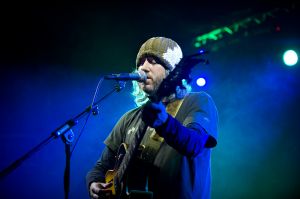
{"type": "Point", "coordinates": [139, 76]}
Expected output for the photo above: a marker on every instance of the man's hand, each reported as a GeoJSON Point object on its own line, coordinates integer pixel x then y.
{"type": "Point", "coordinates": [154, 114]}
{"type": "Point", "coordinates": [100, 190]}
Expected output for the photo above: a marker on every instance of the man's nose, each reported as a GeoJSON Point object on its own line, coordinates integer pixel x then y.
{"type": "Point", "coordinates": [145, 66]}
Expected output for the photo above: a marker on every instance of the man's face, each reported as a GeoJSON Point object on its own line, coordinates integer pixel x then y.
{"type": "Point", "coordinates": [155, 75]}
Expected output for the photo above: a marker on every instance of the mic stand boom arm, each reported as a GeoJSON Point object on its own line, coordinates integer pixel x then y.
{"type": "Point", "coordinates": [67, 135]}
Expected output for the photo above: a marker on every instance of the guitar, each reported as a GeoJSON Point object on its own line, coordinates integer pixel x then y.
{"type": "Point", "coordinates": [126, 154]}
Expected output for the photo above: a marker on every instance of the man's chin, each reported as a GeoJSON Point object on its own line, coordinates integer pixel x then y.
{"type": "Point", "coordinates": [148, 91]}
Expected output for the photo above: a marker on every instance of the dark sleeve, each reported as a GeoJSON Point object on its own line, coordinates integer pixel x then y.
{"type": "Point", "coordinates": [199, 128]}
{"type": "Point", "coordinates": [104, 163]}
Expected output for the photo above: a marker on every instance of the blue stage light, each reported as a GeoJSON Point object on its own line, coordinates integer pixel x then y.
{"type": "Point", "coordinates": [201, 82]}
{"type": "Point", "coordinates": [290, 58]}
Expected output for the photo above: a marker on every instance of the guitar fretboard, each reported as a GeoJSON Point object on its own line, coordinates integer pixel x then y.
{"type": "Point", "coordinates": [132, 149]}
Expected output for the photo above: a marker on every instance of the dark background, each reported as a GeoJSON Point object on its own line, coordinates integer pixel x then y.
{"type": "Point", "coordinates": [53, 54]}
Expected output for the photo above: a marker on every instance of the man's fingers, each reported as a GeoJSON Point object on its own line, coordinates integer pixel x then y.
{"type": "Point", "coordinates": [100, 190]}
{"type": "Point", "coordinates": [94, 196]}
{"type": "Point", "coordinates": [106, 185]}
{"type": "Point", "coordinates": [95, 187]}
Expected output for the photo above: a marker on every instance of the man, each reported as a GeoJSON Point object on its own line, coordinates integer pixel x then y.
{"type": "Point", "coordinates": [173, 160]}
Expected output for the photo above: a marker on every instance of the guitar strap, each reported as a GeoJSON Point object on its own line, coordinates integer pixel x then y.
{"type": "Point", "coordinates": [152, 141]}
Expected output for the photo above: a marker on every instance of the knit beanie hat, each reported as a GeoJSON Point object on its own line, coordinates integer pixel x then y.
{"type": "Point", "coordinates": [166, 50]}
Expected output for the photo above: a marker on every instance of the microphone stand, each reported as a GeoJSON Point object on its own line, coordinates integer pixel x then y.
{"type": "Point", "coordinates": [66, 133]}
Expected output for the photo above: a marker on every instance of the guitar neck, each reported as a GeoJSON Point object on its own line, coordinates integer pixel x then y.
{"type": "Point", "coordinates": [131, 151]}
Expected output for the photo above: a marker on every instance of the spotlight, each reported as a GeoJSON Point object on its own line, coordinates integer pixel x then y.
{"type": "Point", "coordinates": [290, 58]}
{"type": "Point", "coordinates": [201, 82]}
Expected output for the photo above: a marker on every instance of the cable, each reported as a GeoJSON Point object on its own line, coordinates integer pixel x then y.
{"type": "Point", "coordinates": [89, 114]}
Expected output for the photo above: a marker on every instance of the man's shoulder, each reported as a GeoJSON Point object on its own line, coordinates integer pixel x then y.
{"type": "Point", "coordinates": [131, 113]}
{"type": "Point", "coordinates": [197, 100]}
{"type": "Point", "coordinates": [198, 95]}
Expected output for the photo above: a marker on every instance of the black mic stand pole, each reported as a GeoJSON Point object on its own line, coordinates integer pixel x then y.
{"type": "Point", "coordinates": [66, 133]}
